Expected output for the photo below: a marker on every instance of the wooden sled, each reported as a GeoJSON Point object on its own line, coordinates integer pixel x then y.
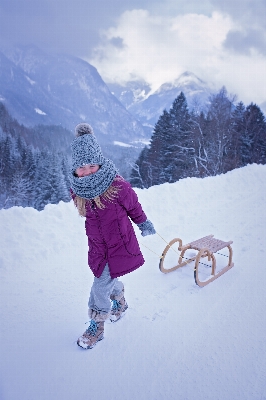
{"type": "Point", "coordinates": [206, 247]}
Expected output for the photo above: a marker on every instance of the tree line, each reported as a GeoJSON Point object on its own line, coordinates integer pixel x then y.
{"type": "Point", "coordinates": [198, 144]}
{"type": "Point", "coordinates": [30, 176]}
{"type": "Point", "coordinates": [184, 143]}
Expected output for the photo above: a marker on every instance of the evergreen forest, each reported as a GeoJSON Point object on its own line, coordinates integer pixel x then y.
{"type": "Point", "coordinates": [32, 172]}
{"type": "Point", "coordinates": [34, 161]}
{"type": "Point", "coordinates": [199, 144]}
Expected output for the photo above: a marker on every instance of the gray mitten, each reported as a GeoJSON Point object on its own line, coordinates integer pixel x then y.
{"type": "Point", "coordinates": [146, 228]}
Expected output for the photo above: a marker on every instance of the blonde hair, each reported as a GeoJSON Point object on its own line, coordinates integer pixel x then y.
{"type": "Point", "coordinates": [109, 195]}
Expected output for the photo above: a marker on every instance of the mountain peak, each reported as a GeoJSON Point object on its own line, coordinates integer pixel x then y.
{"type": "Point", "coordinates": [184, 80]}
{"type": "Point", "coordinates": [188, 77]}
{"type": "Point", "coordinates": [197, 93]}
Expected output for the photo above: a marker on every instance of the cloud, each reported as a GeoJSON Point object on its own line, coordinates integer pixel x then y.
{"type": "Point", "coordinates": [159, 48]}
{"type": "Point", "coordinates": [250, 24]}
{"type": "Point", "coordinates": [117, 42]}
{"type": "Point", "coordinates": [246, 12]}
{"type": "Point", "coordinates": [222, 41]}
{"type": "Point", "coordinates": [74, 26]}
{"type": "Point", "coordinates": [244, 41]}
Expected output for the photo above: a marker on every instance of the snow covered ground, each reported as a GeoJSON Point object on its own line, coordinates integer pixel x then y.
{"type": "Point", "coordinates": [177, 341]}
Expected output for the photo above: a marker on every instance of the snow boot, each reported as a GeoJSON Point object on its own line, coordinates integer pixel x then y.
{"type": "Point", "coordinates": [119, 306]}
{"type": "Point", "coordinates": [95, 332]}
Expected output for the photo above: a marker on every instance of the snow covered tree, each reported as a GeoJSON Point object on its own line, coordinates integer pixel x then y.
{"type": "Point", "coordinates": [140, 170]}
{"type": "Point", "coordinates": [201, 155]}
{"type": "Point", "coordinates": [63, 183]}
{"type": "Point", "coordinates": [253, 137]}
{"type": "Point", "coordinates": [157, 155]}
{"type": "Point", "coordinates": [50, 180]}
{"type": "Point", "coordinates": [66, 179]}
{"type": "Point", "coordinates": [237, 130]}
{"type": "Point", "coordinates": [9, 165]}
{"type": "Point", "coordinates": [9, 158]}
{"type": "Point", "coordinates": [180, 148]}
{"type": "Point", "coordinates": [19, 189]}
{"type": "Point", "coordinates": [218, 134]}
{"type": "Point", "coordinates": [262, 144]}
{"type": "Point", "coordinates": [170, 156]}
{"type": "Point", "coordinates": [30, 167]}
{"type": "Point", "coordinates": [42, 181]}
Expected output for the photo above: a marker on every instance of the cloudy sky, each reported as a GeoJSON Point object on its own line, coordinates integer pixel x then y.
{"type": "Point", "coordinates": [221, 41]}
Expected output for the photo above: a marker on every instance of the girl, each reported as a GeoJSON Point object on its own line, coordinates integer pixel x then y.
{"type": "Point", "coordinates": [107, 201]}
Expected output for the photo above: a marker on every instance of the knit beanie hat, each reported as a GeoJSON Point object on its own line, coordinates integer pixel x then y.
{"type": "Point", "coordinates": [86, 150]}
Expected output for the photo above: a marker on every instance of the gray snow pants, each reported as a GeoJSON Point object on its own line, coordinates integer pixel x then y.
{"type": "Point", "coordinates": [101, 290]}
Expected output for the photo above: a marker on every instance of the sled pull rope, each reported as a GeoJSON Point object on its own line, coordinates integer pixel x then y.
{"type": "Point", "coordinates": [165, 242]}
{"type": "Point", "coordinates": [185, 262]}
{"type": "Point", "coordinates": [151, 250]}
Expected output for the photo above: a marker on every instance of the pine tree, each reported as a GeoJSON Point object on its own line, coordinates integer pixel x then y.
{"type": "Point", "coordinates": [180, 148]}
{"type": "Point", "coordinates": [30, 167]}
{"type": "Point", "coordinates": [171, 154]}
{"type": "Point", "coordinates": [2, 163]}
{"type": "Point", "coordinates": [41, 184]}
{"type": "Point", "coordinates": [262, 144]}
{"type": "Point", "coordinates": [62, 181]}
{"type": "Point", "coordinates": [237, 130]}
{"type": "Point", "coordinates": [19, 189]}
{"type": "Point", "coordinates": [9, 158]}
{"type": "Point", "coordinates": [9, 165]}
{"type": "Point", "coordinates": [66, 179]}
{"type": "Point", "coordinates": [252, 140]}
{"type": "Point", "coordinates": [149, 168]}
{"type": "Point", "coordinates": [50, 180]}
{"type": "Point", "coordinates": [157, 155]}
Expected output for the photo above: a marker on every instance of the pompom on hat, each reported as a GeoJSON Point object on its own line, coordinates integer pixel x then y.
{"type": "Point", "coordinates": [83, 129]}
{"type": "Point", "coordinates": [86, 150]}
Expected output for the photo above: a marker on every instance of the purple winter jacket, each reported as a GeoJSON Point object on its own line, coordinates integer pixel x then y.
{"type": "Point", "coordinates": [111, 236]}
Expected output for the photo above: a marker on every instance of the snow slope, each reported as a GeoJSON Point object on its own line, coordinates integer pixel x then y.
{"type": "Point", "coordinates": [177, 341]}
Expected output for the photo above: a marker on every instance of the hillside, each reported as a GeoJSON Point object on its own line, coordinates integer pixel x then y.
{"type": "Point", "coordinates": [40, 88]}
{"type": "Point", "coordinates": [177, 341]}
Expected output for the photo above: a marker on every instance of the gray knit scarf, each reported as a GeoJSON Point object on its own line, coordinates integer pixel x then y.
{"type": "Point", "coordinates": [96, 184]}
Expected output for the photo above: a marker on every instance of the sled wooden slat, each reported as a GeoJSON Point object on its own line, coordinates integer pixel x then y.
{"type": "Point", "coordinates": [210, 243]}
{"type": "Point", "coordinates": [206, 247]}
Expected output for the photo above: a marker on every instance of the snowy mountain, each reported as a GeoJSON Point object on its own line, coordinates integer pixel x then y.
{"type": "Point", "coordinates": [177, 341]}
{"type": "Point", "coordinates": [39, 88]}
{"type": "Point", "coordinates": [133, 92]}
{"type": "Point", "coordinates": [148, 107]}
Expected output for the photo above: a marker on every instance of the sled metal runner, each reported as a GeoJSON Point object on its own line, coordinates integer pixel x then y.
{"type": "Point", "coordinates": [206, 247]}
